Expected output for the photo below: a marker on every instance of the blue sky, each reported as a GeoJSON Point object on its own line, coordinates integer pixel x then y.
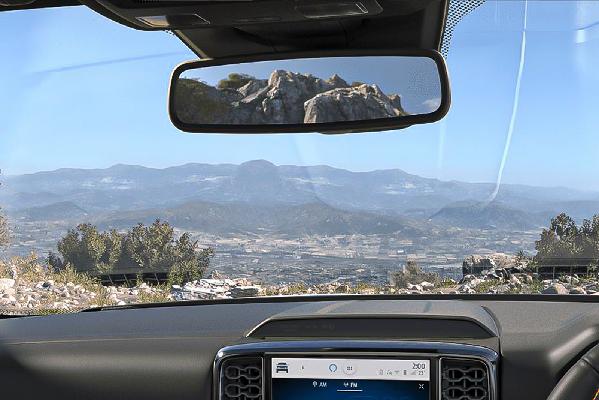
{"type": "Point", "coordinates": [79, 91]}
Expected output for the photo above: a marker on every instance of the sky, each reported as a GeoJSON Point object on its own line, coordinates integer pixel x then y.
{"type": "Point", "coordinates": [79, 91]}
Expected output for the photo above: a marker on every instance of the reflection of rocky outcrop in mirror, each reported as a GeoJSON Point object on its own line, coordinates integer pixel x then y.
{"type": "Point", "coordinates": [364, 102]}
{"type": "Point", "coordinates": [285, 98]}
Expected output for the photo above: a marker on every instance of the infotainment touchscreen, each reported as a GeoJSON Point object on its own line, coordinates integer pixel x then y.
{"type": "Point", "coordinates": [350, 379]}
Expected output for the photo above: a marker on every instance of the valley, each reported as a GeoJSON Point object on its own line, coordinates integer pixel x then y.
{"type": "Point", "coordinates": [275, 224]}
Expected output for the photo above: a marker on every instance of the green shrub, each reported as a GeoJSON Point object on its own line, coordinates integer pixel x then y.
{"type": "Point", "coordinates": [234, 81]}
{"type": "Point", "coordinates": [413, 274]}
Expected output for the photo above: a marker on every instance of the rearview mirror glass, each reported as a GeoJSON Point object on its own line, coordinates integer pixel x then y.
{"type": "Point", "coordinates": [337, 93]}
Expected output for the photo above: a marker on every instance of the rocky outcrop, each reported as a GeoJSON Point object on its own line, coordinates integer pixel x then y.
{"type": "Point", "coordinates": [285, 98]}
{"type": "Point", "coordinates": [364, 102]}
{"type": "Point", "coordinates": [477, 264]}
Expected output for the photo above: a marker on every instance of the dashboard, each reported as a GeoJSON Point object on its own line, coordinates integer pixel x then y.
{"type": "Point", "coordinates": [334, 348]}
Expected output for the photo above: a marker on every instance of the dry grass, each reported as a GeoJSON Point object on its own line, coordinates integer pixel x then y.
{"type": "Point", "coordinates": [159, 294]}
{"type": "Point", "coordinates": [31, 269]}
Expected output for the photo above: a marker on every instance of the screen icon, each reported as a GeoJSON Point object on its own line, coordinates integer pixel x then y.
{"type": "Point", "coordinates": [333, 367]}
{"type": "Point", "coordinates": [349, 369]}
{"type": "Point", "coordinates": [282, 367]}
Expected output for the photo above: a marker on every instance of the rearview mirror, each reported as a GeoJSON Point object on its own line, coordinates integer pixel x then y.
{"type": "Point", "coordinates": [308, 92]}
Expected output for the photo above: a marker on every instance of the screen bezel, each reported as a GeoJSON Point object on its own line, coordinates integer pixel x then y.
{"type": "Point", "coordinates": [433, 382]}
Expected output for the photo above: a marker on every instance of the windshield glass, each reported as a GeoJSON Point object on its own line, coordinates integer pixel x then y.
{"type": "Point", "coordinates": [104, 202]}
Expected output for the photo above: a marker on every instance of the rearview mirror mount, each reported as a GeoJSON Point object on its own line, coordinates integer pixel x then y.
{"type": "Point", "coordinates": [327, 92]}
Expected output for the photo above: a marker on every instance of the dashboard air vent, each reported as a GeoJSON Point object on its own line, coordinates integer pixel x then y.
{"type": "Point", "coordinates": [464, 380]}
{"type": "Point", "coordinates": [241, 379]}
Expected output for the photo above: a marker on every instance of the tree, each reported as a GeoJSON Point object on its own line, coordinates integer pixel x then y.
{"type": "Point", "coordinates": [564, 244]}
{"type": "Point", "coordinates": [82, 247]}
{"type": "Point", "coordinates": [150, 247]}
{"type": "Point", "coordinates": [411, 273]}
{"type": "Point", "coordinates": [190, 265]}
{"type": "Point", "coordinates": [234, 81]}
{"type": "Point", "coordinates": [4, 235]}
{"type": "Point", "coordinates": [113, 253]}
{"type": "Point", "coordinates": [146, 248]}
{"type": "Point", "coordinates": [55, 262]}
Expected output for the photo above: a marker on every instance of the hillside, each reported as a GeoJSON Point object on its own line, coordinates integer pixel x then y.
{"type": "Point", "coordinates": [129, 189]}
{"type": "Point", "coordinates": [312, 218]}
{"type": "Point", "coordinates": [487, 216]}
{"type": "Point", "coordinates": [64, 210]}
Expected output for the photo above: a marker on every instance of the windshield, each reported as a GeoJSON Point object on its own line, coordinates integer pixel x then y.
{"type": "Point", "coordinates": [104, 202]}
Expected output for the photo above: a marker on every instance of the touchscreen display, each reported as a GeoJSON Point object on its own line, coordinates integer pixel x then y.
{"type": "Point", "coordinates": [350, 379]}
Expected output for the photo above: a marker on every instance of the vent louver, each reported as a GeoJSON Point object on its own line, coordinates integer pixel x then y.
{"type": "Point", "coordinates": [464, 380]}
{"type": "Point", "coordinates": [241, 379]}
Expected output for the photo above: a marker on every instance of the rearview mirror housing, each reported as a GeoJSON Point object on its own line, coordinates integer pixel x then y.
{"type": "Point", "coordinates": [328, 92]}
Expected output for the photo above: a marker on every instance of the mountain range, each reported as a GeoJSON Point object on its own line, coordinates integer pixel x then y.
{"type": "Point", "coordinates": [258, 195]}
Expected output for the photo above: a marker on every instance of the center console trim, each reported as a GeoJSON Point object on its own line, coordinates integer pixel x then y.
{"type": "Point", "coordinates": [348, 348]}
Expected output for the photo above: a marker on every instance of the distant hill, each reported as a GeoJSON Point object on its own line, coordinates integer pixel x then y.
{"type": "Point", "coordinates": [487, 216]}
{"type": "Point", "coordinates": [64, 210]}
{"type": "Point", "coordinates": [126, 189]}
{"type": "Point", "coordinates": [312, 218]}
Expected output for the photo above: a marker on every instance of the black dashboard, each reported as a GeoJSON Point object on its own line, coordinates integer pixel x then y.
{"type": "Point", "coordinates": [474, 348]}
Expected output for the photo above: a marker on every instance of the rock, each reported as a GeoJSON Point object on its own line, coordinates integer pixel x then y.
{"type": "Point", "coordinates": [573, 280]}
{"type": "Point", "coordinates": [515, 281]}
{"type": "Point", "coordinates": [60, 306]}
{"type": "Point", "coordinates": [528, 279]}
{"type": "Point", "coordinates": [8, 298]}
{"type": "Point", "coordinates": [342, 289]}
{"type": "Point", "coordinates": [468, 278]}
{"type": "Point", "coordinates": [417, 288]}
{"type": "Point", "coordinates": [466, 289]}
{"type": "Point", "coordinates": [6, 283]}
{"type": "Point", "coordinates": [475, 263]}
{"type": "Point", "coordinates": [593, 286]}
{"type": "Point", "coordinates": [47, 284]}
{"type": "Point", "coordinates": [364, 102]}
{"type": "Point", "coordinates": [427, 285]}
{"type": "Point", "coordinates": [556, 288]}
{"type": "Point", "coordinates": [216, 275]}
{"type": "Point", "coordinates": [245, 291]}
{"type": "Point", "coordinates": [476, 282]}
{"type": "Point", "coordinates": [286, 97]}
{"type": "Point", "coordinates": [250, 88]}
{"type": "Point", "coordinates": [577, 290]}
